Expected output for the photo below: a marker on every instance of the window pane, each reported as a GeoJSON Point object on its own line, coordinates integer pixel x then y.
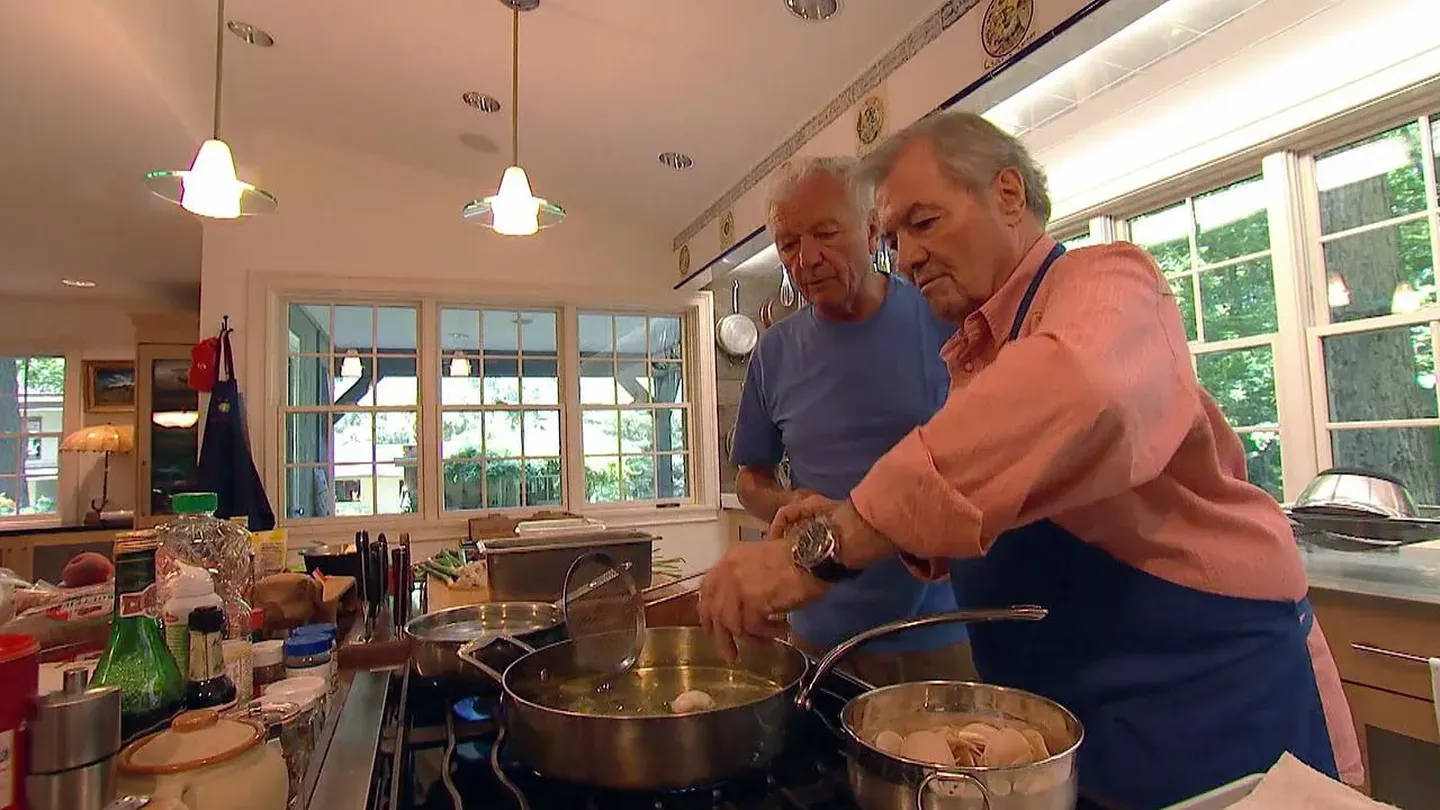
{"type": "Point", "coordinates": [1410, 454]}
{"type": "Point", "coordinates": [355, 329]}
{"type": "Point", "coordinates": [1262, 461]}
{"type": "Point", "coordinates": [539, 383]}
{"type": "Point", "coordinates": [542, 433]}
{"type": "Point", "coordinates": [1165, 234]}
{"type": "Point", "coordinates": [398, 385]}
{"type": "Point", "coordinates": [1078, 241]}
{"type": "Point", "coordinates": [398, 330]}
{"type": "Point", "coordinates": [667, 382]}
{"type": "Point", "coordinates": [460, 330]}
{"type": "Point", "coordinates": [1231, 222]}
{"type": "Point", "coordinates": [665, 339]}
{"type": "Point", "coordinates": [672, 474]}
{"type": "Point", "coordinates": [1380, 272]}
{"type": "Point", "coordinates": [309, 326]}
{"type": "Point", "coordinates": [670, 432]}
{"type": "Point", "coordinates": [462, 484]}
{"type": "Point", "coordinates": [597, 382]}
{"type": "Point", "coordinates": [310, 382]}
{"type": "Point", "coordinates": [463, 434]}
{"type": "Point", "coordinates": [631, 336]}
{"type": "Point", "coordinates": [502, 434]}
{"type": "Point", "coordinates": [1238, 300]}
{"type": "Point", "coordinates": [637, 431]}
{"type": "Point", "coordinates": [502, 484]}
{"type": "Point", "coordinates": [602, 479]}
{"type": "Point", "coordinates": [1384, 374]}
{"type": "Point", "coordinates": [597, 335]}
{"type": "Point", "coordinates": [1184, 289]}
{"type": "Point", "coordinates": [501, 385]}
{"type": "Point", "coordinates": [639, 478]}
{"type": "Point", "coordinates": [601, 432]}
{"type": "Point", "coordinates": [307, 492]}
{"type": "Point", "coordinates": [543, 483]}
{"type": "Point", "coordinates": [1242, 382]}
{"type": "Point", "coordinates": [538, 333]}
{"type": "Point", "coordinates": [1371, 181]}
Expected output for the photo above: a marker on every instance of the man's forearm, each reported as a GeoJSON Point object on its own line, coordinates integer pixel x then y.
{"type": "Point", "coordinates": [760, 495]}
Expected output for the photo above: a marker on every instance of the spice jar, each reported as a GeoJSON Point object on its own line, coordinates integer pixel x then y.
{"type": "Point", "coordinates": [267, 660]}
{"type": "Point", "coordinates": [306, 655]}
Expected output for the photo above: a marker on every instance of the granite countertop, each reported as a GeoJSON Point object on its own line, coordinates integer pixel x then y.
{"type": "Point", "coordinates": [1411, 573]}
{"type": "Point", "coordinates": [107, 526]}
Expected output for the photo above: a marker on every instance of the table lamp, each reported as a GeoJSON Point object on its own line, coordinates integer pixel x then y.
{"type": "Point", "coordinates": [105, 439]}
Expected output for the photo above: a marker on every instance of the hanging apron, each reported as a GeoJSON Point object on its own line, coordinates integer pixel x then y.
{"type": "Point", "coordinates": [1180, 691]}
{"type": "Point", "coordinates": [226, 466]}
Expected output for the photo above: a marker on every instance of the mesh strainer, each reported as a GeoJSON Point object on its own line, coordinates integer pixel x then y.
{"type": "Point", "coordinates": [604, 615]}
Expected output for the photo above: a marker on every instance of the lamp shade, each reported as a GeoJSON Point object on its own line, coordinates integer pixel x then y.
{"type": "Point", "coordinates": [100, 439]}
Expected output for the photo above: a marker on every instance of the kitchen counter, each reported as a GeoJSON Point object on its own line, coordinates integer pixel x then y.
{"type": "Point", "coordinates": [1411, 574]}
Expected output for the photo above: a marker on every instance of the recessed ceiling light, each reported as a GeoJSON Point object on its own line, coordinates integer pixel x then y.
{"type": "Point", "coordinates": [813, 10]}
{"type": "Point", "coordinates": [251, 34]}
{"type": "Point", "coordinates": [77, 282]}
{"type": "Point", "coordinates": [481, 102]}
{"type": "Point", "coordinates": [678, 161]}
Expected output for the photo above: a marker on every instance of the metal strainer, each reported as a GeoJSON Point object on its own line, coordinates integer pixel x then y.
{"type": "Point", "coordinates": [604, 615]}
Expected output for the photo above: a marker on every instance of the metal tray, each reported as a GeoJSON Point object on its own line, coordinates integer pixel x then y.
{"type": "Point", "coordinates": [532, 568]}
{"type": "Point", "coordinates": [1353, 532]}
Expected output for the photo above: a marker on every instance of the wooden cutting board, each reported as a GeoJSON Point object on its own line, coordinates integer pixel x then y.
{"type": "Point", "coordinates": [443, 595]}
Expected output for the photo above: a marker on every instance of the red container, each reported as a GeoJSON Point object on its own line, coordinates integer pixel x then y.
{"type": "Point", "coordinates": [19, 681]}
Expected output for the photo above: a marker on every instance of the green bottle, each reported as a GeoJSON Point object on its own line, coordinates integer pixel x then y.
{"type": "Point", "coordinates": [136, 658]}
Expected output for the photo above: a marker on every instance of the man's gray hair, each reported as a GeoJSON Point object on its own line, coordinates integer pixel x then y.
{"type": "Point", "coordinates": [972, 149]}
{"type": "Point", "coordinates": [845, 169]}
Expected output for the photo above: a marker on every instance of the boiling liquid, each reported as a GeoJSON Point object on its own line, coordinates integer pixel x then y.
{"type": "Point", "coordinates": [649, 690]}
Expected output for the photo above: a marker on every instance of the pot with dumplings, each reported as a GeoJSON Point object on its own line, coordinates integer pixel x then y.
{"type": "Point", "coordinates": [956, 745]}
{"type": "Point", "coordinates": [678, 712]}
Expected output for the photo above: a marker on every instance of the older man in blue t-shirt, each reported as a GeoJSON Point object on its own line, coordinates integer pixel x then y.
{"type": "Point", "coordinates": [834, 387]}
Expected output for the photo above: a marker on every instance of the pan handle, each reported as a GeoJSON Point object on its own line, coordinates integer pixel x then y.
{"type": "Point", "coordinates": [468, 650]}
{"type": "Point", "coordinates": [940, 777]}
{"type": "Point", "coordinates": [1029, 613]}
{"type": "Point", "coordinates": [735, 297]}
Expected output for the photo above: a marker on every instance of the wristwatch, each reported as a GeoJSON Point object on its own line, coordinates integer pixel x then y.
{"type": "Point", "coordinates": [816, 550]}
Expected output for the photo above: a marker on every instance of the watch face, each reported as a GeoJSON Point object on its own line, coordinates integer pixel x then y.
{"type": "Point", "coordinates": [812, 544]}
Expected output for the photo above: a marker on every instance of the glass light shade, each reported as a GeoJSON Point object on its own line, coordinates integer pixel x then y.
{"type": "Point", "coordinates": [459, 366]}
{"type": "Point", "coordinates": [514, 210]}
{"type": "Point", "coordinates": [350, 366]}
{"type": "Point", "coordinates": [209, 188]}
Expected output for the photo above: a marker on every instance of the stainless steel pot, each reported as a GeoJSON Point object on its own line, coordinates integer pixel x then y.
{"type": "Point", "coordinates": [435, 637]}
{"type": "Point", "coordinates": [660, 750]}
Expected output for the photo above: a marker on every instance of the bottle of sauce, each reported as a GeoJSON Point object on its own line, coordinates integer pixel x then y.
{"type": "Point", "coordinates": [207, 685]}
{"type": "Point", "coordinates": [136, 658]}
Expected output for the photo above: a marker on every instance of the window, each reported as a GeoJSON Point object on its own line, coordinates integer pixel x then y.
{"type": "Point", "coordinates": [441, 407]}
{"type": "Point", "coordinates": [32, 414]}
{"type": "Point", "coordinates": [1214, 249]}
{"type": "Point", "coordinates": [500, 401]}
{"type": "Point", "coordinates": [635, 407]}
{"type": "Point", "coordinates": [1079, 240]}
{"type": "Point", "coordinates": [1375, 308]}
{"type": "Point", "coordinates": [351, 410]}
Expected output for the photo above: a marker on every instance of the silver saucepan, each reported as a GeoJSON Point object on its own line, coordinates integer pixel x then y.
{"type": "Point", "coordinates": [623, 732]}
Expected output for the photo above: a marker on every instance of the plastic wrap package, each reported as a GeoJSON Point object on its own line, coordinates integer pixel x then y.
{"type": "Point", "coordinates": [56, 616]}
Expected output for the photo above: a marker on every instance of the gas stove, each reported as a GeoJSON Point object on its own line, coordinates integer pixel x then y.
{"type": "Point", "coordinates": [435, 749]}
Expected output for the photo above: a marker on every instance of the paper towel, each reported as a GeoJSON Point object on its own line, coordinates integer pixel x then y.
{"type": "Point", "coordinates": [1293, 785]}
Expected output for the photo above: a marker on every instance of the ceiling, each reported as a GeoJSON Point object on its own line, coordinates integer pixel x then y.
{"type": "Point", "coordinates": [108, 91]}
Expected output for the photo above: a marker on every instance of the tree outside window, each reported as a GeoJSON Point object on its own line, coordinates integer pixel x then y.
{"type": "Point", "coordinates": [1214, 249]}
{"type": "Point", "coordinates": [32, 408]}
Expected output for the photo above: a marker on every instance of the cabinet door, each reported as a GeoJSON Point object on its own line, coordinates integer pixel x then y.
{"type": "Point", "coordinates": [1401, 746]}
{"type": "Point", "coordinates": [168, 431]}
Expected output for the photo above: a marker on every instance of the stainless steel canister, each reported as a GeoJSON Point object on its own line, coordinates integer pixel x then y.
{"type": "Point", "coordinates": [74, 737]}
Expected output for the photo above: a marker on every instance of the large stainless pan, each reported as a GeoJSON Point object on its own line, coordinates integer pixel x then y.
{"type": "Point", "coordinates": [566, 724]}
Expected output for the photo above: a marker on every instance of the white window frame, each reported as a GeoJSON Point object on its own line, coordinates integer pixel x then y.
{"type": "Point", "coordinates": [268, 296]}
{"type": "Point", "coordinates": [1307, 204]}
{"type": "Point", "coordinates": [69, 503]}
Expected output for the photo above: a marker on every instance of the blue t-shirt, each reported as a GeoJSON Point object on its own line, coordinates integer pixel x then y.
{"type": "Point", "coordinates": [835, 397]}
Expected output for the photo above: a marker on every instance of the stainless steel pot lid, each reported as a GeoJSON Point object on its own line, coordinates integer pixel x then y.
{"type": "Point", "coordinates": [604, 615]}
{"type": "Point", "coordinates": [485, 621]}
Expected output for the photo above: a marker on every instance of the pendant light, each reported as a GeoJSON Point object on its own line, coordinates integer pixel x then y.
{"type": "Point", "coordinates": [209, 187]}
{"type": "Point", "coordinates": [514, 210]}
{"type": "Point", "coordinates": [459, 366]}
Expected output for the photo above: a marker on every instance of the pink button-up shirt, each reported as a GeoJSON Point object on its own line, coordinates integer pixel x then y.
{"type": "Point", "coordinates": [1093, 419]}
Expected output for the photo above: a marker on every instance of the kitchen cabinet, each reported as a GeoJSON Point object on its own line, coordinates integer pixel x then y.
{"type": "Point", "coordinates": [1381, 647]}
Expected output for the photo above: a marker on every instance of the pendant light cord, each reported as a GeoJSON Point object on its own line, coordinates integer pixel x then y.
{"type": "Point", "coordinates": [514, 86]}
{"type": "Point", "coordinates": [219, 63]}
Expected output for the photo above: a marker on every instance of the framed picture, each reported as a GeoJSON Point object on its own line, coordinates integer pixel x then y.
{"type": "Point", "coordinates": [109, 385]}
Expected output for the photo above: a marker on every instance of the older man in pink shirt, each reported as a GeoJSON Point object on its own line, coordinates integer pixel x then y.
{"type": "Point", "coordinates": [1077, 464]}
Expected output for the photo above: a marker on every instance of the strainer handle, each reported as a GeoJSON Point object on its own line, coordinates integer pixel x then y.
{"type": "Point", "coordinates": [467, 654]}
{"type": "Point", "coordinates": [937, 777]}
{"type": "Point", "coordinates": [1028, 613]}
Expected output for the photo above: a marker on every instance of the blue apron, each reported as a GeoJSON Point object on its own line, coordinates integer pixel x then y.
{"type": "Point", "coordinates": [1180, 691]}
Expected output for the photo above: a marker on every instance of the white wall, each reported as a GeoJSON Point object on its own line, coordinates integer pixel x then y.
{"type": "Point", "coordinates": [1280, 67]}
{"type": "Point", "coordinates": [81, 329]}
{"type": "Point", "coordinates": [348, 220]}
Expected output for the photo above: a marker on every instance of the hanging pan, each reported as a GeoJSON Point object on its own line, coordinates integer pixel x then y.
{"type": "Point", "coordinates": [736, 334]}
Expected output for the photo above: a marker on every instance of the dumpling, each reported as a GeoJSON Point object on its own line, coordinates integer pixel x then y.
{"type": "Point", "coordinates": [928, 746]}
{"type": "Point", "coordinates": [1006, 749]}
{"type": "Point", "coordinates": [889, 741]}
{"type": "Point", "coordinates": [1038, 748]}
{"type": "Point", "coordinates": [692, 701]}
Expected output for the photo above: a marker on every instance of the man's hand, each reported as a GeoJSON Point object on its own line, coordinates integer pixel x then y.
{"type": "Point", "coordinates": [860, 544]}
{"type": "Point", "coordinates": [750, 584]}
{"type": "Point", "coordinates": [800, 509]}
